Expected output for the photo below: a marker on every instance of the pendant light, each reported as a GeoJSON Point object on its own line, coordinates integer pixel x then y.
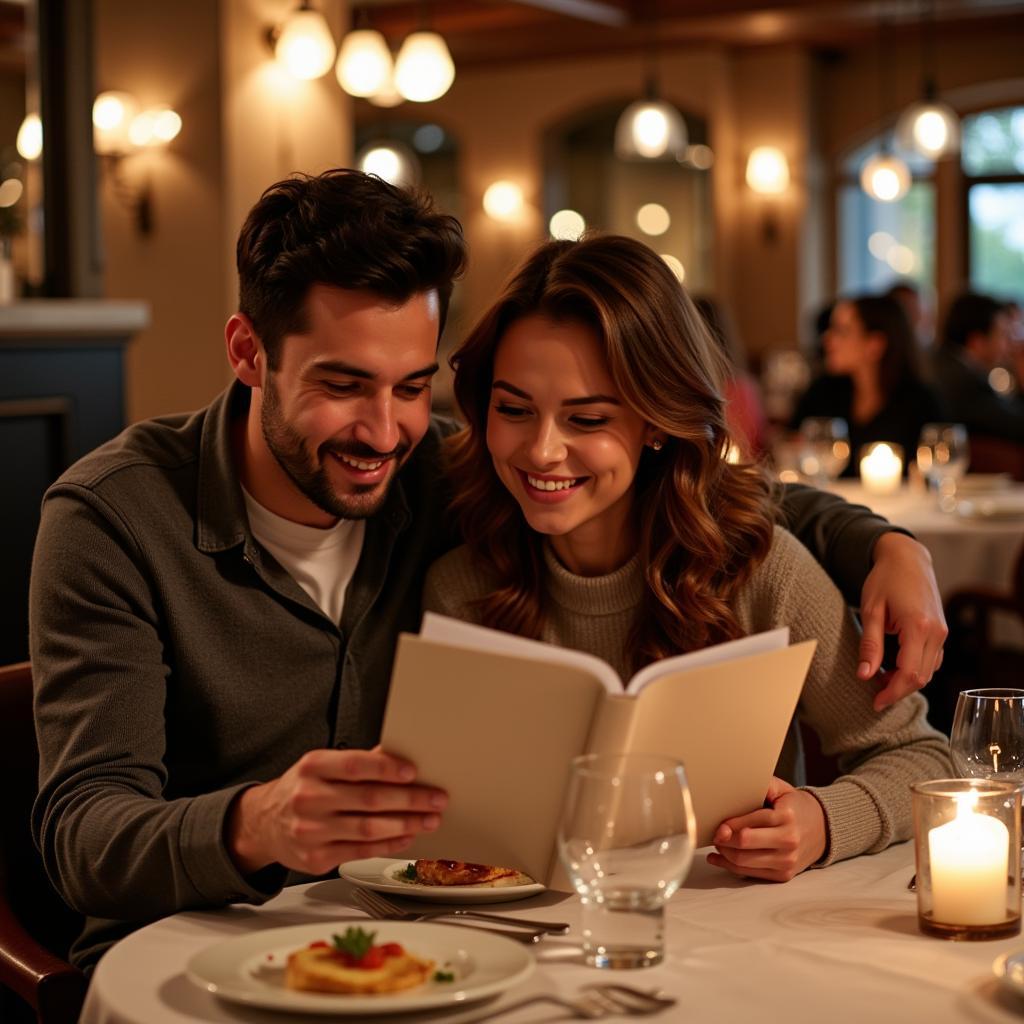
{"type": "Point", "coordinates": [424, 70]}
{"type": "Point", "coordinates": [364, 65]}
{"type": "Point", "coordinates": [650, 128]}
{"type": "Point", "coordinates": [305, 45]}
{"type": "Point", "coordinates": [884, 176]}
{"type": "Point", "coordinates": [930, 128]}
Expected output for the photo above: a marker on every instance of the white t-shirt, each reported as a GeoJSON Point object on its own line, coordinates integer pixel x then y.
{"type": "Point", "coordinates": [321, 561]}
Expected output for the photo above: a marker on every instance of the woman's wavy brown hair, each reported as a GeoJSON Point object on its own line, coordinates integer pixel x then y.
{"type": "Point", "coordinates": [703, 523]}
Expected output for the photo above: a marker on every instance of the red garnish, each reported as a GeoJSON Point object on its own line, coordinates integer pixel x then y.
{"type": "Point", "coordinates": [319, 945]}
{"type": "Point", "coordinates": [393, 949]}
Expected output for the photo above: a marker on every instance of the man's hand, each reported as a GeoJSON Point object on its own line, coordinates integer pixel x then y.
{"type": "Point", "coordinates": [775, 843]}
{"type": "Point", "coordinates": [901, 596]}
{"type": "Point", "coordinates": [329, 807]}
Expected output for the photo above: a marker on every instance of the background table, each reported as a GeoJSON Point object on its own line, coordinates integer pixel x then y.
{"type": "Point", "coordinates": [965, 551]}
{"type": "Point", "coordinates": [838, 945]}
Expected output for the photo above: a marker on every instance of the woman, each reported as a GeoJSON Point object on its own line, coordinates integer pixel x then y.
{"type": "Point", "coordinates": [872, 380]}
{"type": "Point", "coordinates": [600, 513]}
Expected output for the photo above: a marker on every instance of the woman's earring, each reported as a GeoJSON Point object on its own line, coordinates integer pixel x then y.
{"type": "Point", "coordinates": [657, 445]}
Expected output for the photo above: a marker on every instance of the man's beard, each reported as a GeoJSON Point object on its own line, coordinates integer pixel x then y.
{"type": "Point", "coordinates": [308, 473]}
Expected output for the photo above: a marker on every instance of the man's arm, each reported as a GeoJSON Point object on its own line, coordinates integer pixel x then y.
{"type": "Point", "coordinates": [113, 843]}
{"type": "Point", "coordinates": [882, 570]}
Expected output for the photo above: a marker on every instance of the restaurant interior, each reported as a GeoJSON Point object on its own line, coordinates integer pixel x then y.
{"type": "Point", "coordinates": [771, 151]}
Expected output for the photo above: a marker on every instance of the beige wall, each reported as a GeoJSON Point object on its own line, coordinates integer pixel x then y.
{"type": "Point", "coordinates": [241, 132]}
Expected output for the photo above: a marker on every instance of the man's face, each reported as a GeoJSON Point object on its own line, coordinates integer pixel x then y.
{"type": "Point", "coordinates": [350, 397]}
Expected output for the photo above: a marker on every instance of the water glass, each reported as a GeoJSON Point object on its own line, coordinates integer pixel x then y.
{"type": "Point", "coordinates": [942, 457]}
{"type": "Point", "coordinates": [987, 738]}
{"type": "Point", "coordinates": [626, 839]}
{"type": "Point", "coordinates": [824, 448]}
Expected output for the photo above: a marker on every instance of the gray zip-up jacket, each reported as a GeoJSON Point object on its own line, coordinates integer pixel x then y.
{"type": "Point", "coordinates": [175, 662]}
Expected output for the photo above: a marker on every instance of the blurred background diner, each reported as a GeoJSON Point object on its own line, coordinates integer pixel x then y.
{"type": "Point", "coordinates": [840, 182]}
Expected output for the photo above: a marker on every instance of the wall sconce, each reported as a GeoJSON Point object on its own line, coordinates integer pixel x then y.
{"type": "Point", "coordinates": [120, 129]}
{"type": "Point", "coordinates": [29, 142]}
{"type": "Point", "coordinates": [768, 175]}
{"type": "Point", "coordinates": [503, 201]}
{"type": "Point", "coordinates": [304, 44]}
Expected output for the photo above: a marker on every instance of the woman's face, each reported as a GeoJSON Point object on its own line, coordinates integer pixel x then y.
{"type": "Point", "coordinates": [848, 347]}
{"type": "Point", "coordinates": [562, 439]}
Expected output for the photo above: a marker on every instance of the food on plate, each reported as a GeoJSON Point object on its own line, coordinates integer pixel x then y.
{"type": "Point", "coordinates": [459, 872]}
{"type": "Point", "coordinates": [354, 964]}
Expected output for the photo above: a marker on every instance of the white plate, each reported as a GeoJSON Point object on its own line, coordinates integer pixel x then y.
{"type": "Point", "coordinates": [1006, 505]}
{"type": "Point", "coordinates": [380, 873]}
{"type": "Point", "coordinates": [1009, 969]}
{"type": "Point", "coordinates": [983, 483]}
{"type": "Point", "coordinates": [250, 969]}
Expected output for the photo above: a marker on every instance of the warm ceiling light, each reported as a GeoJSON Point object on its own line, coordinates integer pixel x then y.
{"type": "Point", "coordinates": [305, 45]}
{"type": "Point", "coordinates": [364, 63]}
{"type": "Point", "coordinates": [885, 177]}
{"type": "Point", "coordinates": [112, 117]}
{"type": "Point", "coordinates": [675, 265]}
{"type": "Point", "coordinates": [30, 137]}
{"type": "Point", "coordinates": [567, 225]}
{"type": "Point", "coordinates": [931, 129]}
{"type": "Point", "coordinates": [387, 95]}
{"type": "Point", "coordinates": [423, 69]}
{"type": "Point", "coordinates": [503, 200]}
{"type": "Point", "coordinates": [653, 219]}
{"type": "Point", "coordinates": [650, 129]}
{"type": "Point", "coordinates": [391, 161]}
{"type": "Point", "coordinates": [767, 171]}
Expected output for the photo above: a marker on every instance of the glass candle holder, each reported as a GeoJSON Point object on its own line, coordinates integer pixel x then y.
{"type": "Point", "coordinates": [881, 467]}
{"type": "Point", "coordinates": [967, 845]}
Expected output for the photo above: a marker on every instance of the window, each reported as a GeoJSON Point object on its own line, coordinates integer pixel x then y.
{"type": "Point", "coordinates": [993, 162]}
{"type": "Point", "coordinates": [880, 243]}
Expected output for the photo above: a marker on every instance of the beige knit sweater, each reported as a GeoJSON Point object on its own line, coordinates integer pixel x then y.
{"type": "Point", "coordinates": [879, 754]}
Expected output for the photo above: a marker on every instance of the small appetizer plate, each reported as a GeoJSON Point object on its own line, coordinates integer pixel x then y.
{"type": "Point", "coordinates": [384, 875]}
{"type": "Point", "coordinates": [250, 969]}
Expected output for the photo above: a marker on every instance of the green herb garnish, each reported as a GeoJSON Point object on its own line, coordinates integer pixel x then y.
{"type": "Point", "coordinates": [443, 976]}
{"type": "Point", "coordinates": [355, 942]}
{"type": "Point", "coordinates": [409, 873]}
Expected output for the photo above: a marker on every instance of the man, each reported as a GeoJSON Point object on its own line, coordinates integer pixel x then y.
{"type": "Point", "coordinates": [976, 340]}
{"type": "Point", "coordinates": [216, 597]}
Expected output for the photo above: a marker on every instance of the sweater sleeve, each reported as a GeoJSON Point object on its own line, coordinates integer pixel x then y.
{"type": "Point", "coordinates": [841, 536]}
{"type": "Point", "coordinates": [113, 845]}
{"type": "Point", "coordinates": [879, 754]}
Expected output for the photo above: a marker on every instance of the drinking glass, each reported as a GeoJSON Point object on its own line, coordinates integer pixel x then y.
{"type": "Point", "coordinates": [626, 839]}
{"type": "Point", "coordinates": [824, 448]}
{"type": "Point", "coordinates": [942, 456]}
{"type": "Point", "coordinates": [987, 738]}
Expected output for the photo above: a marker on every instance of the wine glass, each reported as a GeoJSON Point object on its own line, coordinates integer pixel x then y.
{"type": "Point", "coordinates": [626, 839]}
{"type": "Point", "coordinates": [824, 448]}
{"type": "Point", "coordinates": [987, 738]}
{"type": "Point", "coordinates": [942, 456]}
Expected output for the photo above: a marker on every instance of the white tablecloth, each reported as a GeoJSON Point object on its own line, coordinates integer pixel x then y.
{"type": "Point", "coordinates": [965, 552]}
{"type": "Point", "coordinates": [837, 945]}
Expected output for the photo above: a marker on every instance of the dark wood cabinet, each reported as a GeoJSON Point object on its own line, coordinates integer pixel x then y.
{"type": "Point", "coordinates": [61, 395]}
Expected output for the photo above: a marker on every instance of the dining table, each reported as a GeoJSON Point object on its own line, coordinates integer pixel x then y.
{"type": "Point", "coordinates": [969, 548]}
{"type": "Point", "coordinates": [835, 944]}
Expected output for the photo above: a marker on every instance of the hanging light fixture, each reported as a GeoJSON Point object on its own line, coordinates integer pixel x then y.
{"type": "Point", "coordinates": [390, 160]}
{"type": "Point", "coordinates": [884, 176]}
{"type": "Point", "coordinates": [424, 70]}
{"type": "Point", "coordinates": [364, 65]}
{"type": "Point", "coordinates": [304, 44]}
{"type": "Point", "coordinates": [651, 128]}
{"type": "Point", "coordinates": [930, 128]}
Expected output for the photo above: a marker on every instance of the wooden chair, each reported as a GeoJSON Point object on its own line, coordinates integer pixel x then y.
{"type": "Point", "coordinates": [36, 926]}
{"type": "Point", "coordinates": [973, 658]}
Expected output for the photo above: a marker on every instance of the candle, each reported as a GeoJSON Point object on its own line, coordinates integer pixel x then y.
{"type": "Point", "coordinates": [881, 468]}
{"type": "Point", "coordinates": [969, 861]}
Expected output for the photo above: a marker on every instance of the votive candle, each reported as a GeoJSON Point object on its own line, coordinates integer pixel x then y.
{"type": "Point", "coordinates": [881, 468]}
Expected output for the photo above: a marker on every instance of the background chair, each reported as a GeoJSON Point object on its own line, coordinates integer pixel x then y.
{"type": "Point", "coordinates": [36, 926]}
{"type": "Point", "coordinates": [973, 658]}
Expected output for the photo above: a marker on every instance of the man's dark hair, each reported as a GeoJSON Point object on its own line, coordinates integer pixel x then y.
{"type": "Point", "coordinates": [969, 314]}
{"type": "Point", "coordinates": [341, 228]}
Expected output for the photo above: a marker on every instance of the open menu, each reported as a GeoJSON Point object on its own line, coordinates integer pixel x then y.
{"type": "Point", "coordinates": [495, 720]}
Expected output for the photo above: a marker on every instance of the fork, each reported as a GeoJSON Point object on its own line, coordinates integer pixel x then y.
{"type": "Point", "coordinates": [598, 1000]}
{"type": "Point", "coordinates": [380, 906]}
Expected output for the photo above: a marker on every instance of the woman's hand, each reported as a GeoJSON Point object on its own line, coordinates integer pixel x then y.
{"type": "Point", "coordinates": [775, 843]}
{"type": "Point", "coordinates": [901, 596]}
